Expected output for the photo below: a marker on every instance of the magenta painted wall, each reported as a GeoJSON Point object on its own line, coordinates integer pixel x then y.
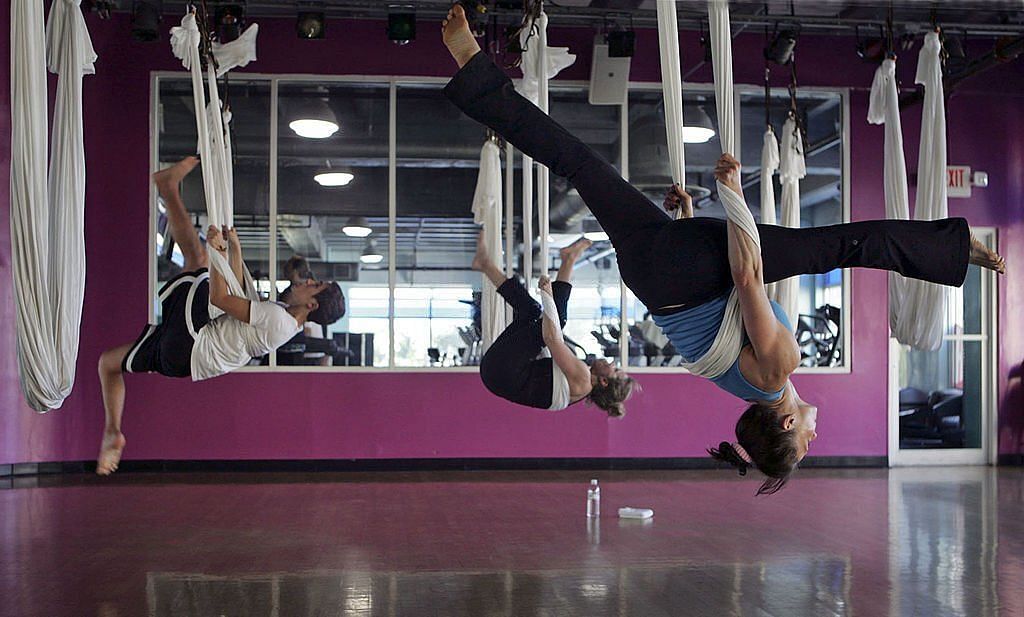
{"type": "Point", "coordinates": [380, 415]}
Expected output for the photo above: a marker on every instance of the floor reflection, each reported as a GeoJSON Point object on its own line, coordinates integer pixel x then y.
{"type": "Point", "coordinates": [801, 586]}
{"type": "Point", "coordinates": [942, 528]}
{"type": "Point", "coordinates": [909, 542]}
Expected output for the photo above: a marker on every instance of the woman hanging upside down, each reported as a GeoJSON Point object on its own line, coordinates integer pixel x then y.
{"type": "Point", "coordinates": [515, 366]}
{"type": "Point", "coordinates": [189, 341]}
{"type": "Point", "coordinates": [684, 270]}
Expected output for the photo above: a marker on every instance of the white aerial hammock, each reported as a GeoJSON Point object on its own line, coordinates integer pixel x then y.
{"type": "Point", "coordinates": [487, 207]}
{"type": "Point", "coordinates": [769, 165]}
{"type": "Point", "coordinates": [916, 308]}
{"type": "Point", "coordinates": [214, 138]}
{"type": "Point", "coordinates": [792, 169]}
{"type": "Point", "coordinates": [672, 90]}
{"type": "Point", "coordinates": [729, 340]}
{"type": "Point", "coordinates": [48, 209]}
{"type": "Point", "coordinates": [539, 64]}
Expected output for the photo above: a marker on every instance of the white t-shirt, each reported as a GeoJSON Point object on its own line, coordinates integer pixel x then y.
{"type": "Point", "coordinates": [225, 344]}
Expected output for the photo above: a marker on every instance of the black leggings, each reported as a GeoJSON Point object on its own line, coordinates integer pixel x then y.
{"type": "Point", "coordinates": [510, 367]}
{"type": "Point", "coordinates": [686, 262]}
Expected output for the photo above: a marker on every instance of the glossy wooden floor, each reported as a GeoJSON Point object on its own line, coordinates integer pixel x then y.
{"type": "Point", "coordinates": [867, 542]}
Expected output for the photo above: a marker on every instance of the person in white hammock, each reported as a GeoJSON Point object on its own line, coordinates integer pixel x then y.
{"type": "Point", "coordinates": [189, 341]}
{"type": "Point", "coordinates": [685, 270]}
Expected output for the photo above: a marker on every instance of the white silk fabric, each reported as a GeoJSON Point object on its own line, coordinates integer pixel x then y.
{"type": "Point", "coordinates": [916, 308]}
{"type": "Point", "coordinates": [214, 138]}
{"type": "Point", "coordinates": [48, 206]}
{"type": "Point", "coordinates": [487, 207]}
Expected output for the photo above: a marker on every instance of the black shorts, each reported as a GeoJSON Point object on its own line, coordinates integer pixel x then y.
{"type": "Point", "coordinates": [167, 348]}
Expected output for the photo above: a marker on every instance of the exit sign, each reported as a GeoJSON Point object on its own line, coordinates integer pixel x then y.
{"type": "Point", "coordinates": [958, 181]}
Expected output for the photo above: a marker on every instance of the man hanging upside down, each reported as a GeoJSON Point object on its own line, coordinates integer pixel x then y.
{"type": "Point", "coordinates": [192, 342]}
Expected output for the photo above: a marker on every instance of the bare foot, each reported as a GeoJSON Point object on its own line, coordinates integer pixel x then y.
{"type": "Point", "coordinates": [482, 258]}
{"type": "Point", "coordinates": [167, 180]}
{"type": "Point", "coordinates": [985, 257]}
{"type": "Point", "coordinates": [574, 250]}
{"type": "Point", "coordinates": [457, 36]}
{"type": "Point", "coordinates": [110, 453]}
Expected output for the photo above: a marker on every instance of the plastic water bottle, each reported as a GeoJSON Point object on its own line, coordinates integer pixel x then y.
{"type": "Point", "coordinates": [593, 500]}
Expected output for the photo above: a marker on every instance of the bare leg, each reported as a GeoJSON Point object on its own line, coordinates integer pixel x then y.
{"type": "Point", "coordinates": [457, 37]}
{"type": "Point", "coordinates": [985, 257]}
{"type": "Point", "coordinates": [569, 256]}
{"type": "Point", "coordinates": [112, 383]}
{"type": "Point", "coordinates": [184, 233]}
{"type": "Point", "coordinates": [482, 262]}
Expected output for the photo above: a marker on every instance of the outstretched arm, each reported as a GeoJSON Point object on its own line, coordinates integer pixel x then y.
{"type": "Point", "coordinates": [220, 297]}
{"type": "Point", "coordinates": [762, 328]}
{"type": "Point", "coordinates": [235, 255]}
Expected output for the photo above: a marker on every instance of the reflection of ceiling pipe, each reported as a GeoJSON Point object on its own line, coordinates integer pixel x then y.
{"type": "Point", "coordinates": [594, 258]}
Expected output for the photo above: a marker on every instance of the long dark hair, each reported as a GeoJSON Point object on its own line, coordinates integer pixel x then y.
{"type": "Point", "coordinates": [771, 447]}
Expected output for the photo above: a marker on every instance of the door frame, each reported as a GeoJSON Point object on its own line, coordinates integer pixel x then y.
{"type": "Point", "coordinates": [988, 452]}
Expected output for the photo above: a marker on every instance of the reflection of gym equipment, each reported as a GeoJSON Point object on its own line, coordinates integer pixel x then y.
{"type": "Point", "coordinates": [932, 420]}
{"type": "Point", "coordinates": [293, 353]}
{"type": "Point", "coordinates": [820, 337]}
{"type": "Point", "coordinates": [353, 349]}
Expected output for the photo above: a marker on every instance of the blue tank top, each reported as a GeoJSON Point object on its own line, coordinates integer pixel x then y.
{"type": "Point", "coordinates": [693, 330]}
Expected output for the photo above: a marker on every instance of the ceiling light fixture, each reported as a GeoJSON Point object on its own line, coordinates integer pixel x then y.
{"type": "Point", "coordinates": [697, 125]}
{"type": "Point", "coordinates": [146, 19]}
{"type": "Point", "coordinates": [333, 177]}
{"type": "Point", "coordinates": [230, 20]}
{"type": "Point", "coordinates": [401, 24]}
{"type": "Point", "coordinates": [357, 227]}
{"type": "Point", "coordinates": [310, 25]}
{"type": "Point", "coordinates": [370, 254]}
{"type": "Point", "coordinates": [314, 118]}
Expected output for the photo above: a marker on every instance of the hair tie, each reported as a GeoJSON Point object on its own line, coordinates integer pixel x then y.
{"type": "Point", "coordinates": [742, 452]}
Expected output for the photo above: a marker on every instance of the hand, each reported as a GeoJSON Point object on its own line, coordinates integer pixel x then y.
{"type": "Point", "coordinates": [545, 284]}
{"type": "Point", "coordinates": [727, 171]}
{"type": "Point", "coordinates": [231, 235]}
{"type": "Point", "coordinates": [676, 197]}
{"type": "Point", "coordinates": [215, 239]}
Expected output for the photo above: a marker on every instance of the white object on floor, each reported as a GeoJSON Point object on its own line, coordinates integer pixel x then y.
{"type": "Point", "coordinates": [641, 513]}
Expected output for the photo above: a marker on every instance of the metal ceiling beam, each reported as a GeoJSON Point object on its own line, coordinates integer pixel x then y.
{"type": "Point", "coordinates": [1003, 18]}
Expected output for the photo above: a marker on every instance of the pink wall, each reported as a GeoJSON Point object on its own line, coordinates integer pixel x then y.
{"type": "Point", "coordinates": [291, 416]}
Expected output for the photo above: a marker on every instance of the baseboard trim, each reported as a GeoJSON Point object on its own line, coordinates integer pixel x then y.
{"type": "Point", "coordinates": [1011, 460]}
{"type": "Point", "coordinates": [415, 464]}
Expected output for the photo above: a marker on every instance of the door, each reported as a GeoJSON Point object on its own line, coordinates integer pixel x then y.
{"type": "Point", "coordinates": [942, 403]}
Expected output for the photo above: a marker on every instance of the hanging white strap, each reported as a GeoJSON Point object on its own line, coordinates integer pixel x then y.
{"type": "Point", "coordinates": [543, 173]}
{"type": "Point", "coordinates": [672, 90]}
{"type": "Point", "coordinates": [214, 146]}
{"type": "Point", "coordinates": [916, 308]}
{"type": "Point", "coordinates": [540, 63]}
{"type": "Point", "coordinates": [547, 302]}
{"type": "Point", "coordinates": [721, 63]}
{"type": "Point", "coordinates": [769, 165]}
{"type": "Point", "coordinates": [487, 206]}
{"type": "Point", "coordinates": [47, 211]}
{"type": "Point", "coordinates": [792, 169]}
{"type": "Point", "coordinates": [729, 341]}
